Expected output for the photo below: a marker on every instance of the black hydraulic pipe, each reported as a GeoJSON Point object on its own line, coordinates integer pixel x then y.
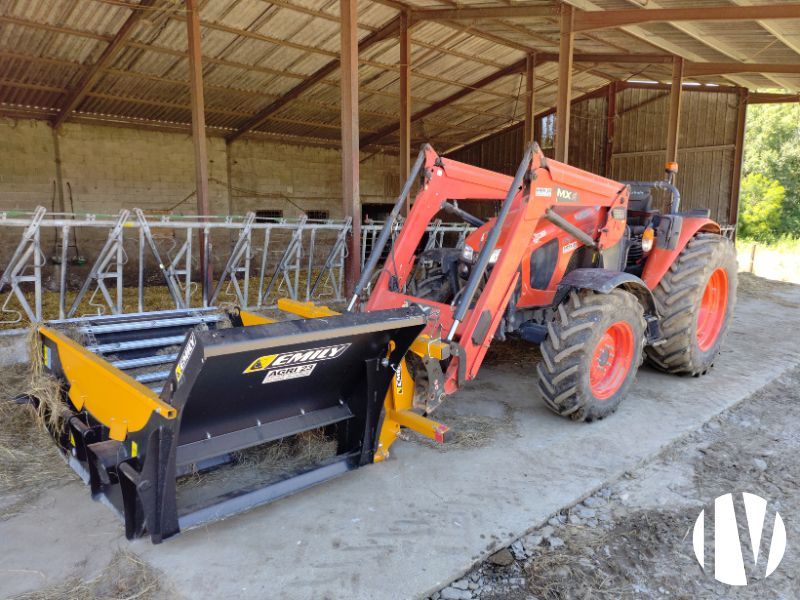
{"type": "Point", "coordinates": [571, 229]}
{"type": "Point", "coordinates": [464, 216]}
{"type": "Point", "coordinates": [366, 274]}
{"type": "Point", "coordinates": [491, 242]}
{"type": "Point", "coordinates": [676, 195]}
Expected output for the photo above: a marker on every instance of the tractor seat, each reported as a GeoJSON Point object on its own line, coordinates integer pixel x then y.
{"type": "Point", "coordinates": [640, 199]}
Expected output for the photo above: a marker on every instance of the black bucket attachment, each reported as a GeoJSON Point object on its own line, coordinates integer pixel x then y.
{"type": "Point", "coordinates": [227, 390]}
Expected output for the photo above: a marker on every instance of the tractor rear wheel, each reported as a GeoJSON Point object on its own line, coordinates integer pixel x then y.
{"type": "Point", "coordinates": [696, 297]}
{"type": "Point", "coordinates": [591, 355]}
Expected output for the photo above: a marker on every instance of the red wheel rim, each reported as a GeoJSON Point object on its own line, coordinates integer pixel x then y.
{"type": "Point", "coordinates": [612, 359]}
{"type": "Point", "coordinates": [712, 309]}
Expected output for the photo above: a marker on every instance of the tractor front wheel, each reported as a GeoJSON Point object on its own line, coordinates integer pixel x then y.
{"type": "Point", "coordinates": [696, 297]}
{"type": "Point", "coordinates": [591, 354]}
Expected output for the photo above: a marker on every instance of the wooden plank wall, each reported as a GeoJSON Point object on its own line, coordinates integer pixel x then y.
{"type": "Point", "coordinates": [706, 144]}
{"type": "Point", "coordinates": [586, 144]}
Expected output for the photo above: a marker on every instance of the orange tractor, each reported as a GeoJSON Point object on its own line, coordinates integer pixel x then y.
{"type": "Point", "coordinates": [582, 265]}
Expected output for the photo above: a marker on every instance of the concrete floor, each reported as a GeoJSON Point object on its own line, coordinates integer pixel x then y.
{"type": "Point", "coordinates": [408, 526]}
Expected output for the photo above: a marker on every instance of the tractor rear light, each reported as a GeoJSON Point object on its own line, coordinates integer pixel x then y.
{"type": "Point", "coordinates": [495, 255]}
{"type": "Point", "coordinates": [467, 253]}
{"type": "Point", "coordinates": [647, 239]}
{"type": "Point", "coordinates": [463, 270]}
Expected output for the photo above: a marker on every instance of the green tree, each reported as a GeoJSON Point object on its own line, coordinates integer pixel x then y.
{"type": "Point", "coordinates": [760, 207]}
{"type": "Point", "coordinates": [772, 149]}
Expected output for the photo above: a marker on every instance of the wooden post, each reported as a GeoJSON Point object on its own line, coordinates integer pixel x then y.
{"type": "Point", "coordinates": [738, 157]}
{"type": "Point", "coordinates": [675, 95]}
{"type": "Point", "coordinates": [530, 98]}
{"type": "Point", "coordinates": [751, 266]}
{"type": "Point", "coordinates": [350, 140]}
{"type": "Point", "coordinates": [564, 83]}
{"type": "Point", "coordinates": [199, 135]}
{"type": "Point", "coordinates": [405, 104]}
{"type": "Point", "coordinates": [612, 111]}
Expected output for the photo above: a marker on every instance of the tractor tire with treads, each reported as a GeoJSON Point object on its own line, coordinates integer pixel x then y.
{"type": "Point", "coordinates": [591, 354]}
{"type": "Point", "coordinates": [696, 297]}
{"type": "Point", "coordinates": [436, 286]}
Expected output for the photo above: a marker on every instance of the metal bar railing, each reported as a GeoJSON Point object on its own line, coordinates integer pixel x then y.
{"type": "Point", "coordinates": [111, 259]}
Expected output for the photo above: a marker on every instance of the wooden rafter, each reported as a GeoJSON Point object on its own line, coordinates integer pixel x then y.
{"type": "Point", "coordinates": [509, 70]}
{"type": "Point", "coordinates": [390, 29]}
{"type": "Point", "coordinates": [590, 21]}
{"type": "Point", "coordinates": [74, 99]}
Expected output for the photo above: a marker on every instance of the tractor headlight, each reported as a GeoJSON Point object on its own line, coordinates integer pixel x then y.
{"type": "Point", "coordinates": [467, 253]}
{"type": "Point", "coordinates": [647, 240]}
{"type": "Point", "coordinates": [495, 255]}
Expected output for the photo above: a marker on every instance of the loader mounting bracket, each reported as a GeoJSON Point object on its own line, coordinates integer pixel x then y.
{"type": "Point", "coordinates": [458, 351]}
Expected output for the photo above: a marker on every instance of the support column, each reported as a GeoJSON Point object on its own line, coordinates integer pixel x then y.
{"type": "Point", "coordinates": [405, 104]}
{"type": "Point", "coordinates": [675, 96]}
{"type": "Point", "coordinates": [530, 97]}
{"type": "Point", "coordinates": [564, 82]}
{"type": "Point", "coordinates": [612, 111]}
{"type": "Point", "coordinates": [199, 135]}
{"type": "Point", "coordinates": [350, 140]}
{"type": "Point", "coordinates": [738, 157]}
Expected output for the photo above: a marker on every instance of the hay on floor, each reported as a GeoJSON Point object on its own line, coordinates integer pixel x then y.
{"type": "Point", "coordinates": [266, 461]}
{"type": "Point", "coordinates": [127, 577]}
{"type": "Point", "coordinates": [29, 460]}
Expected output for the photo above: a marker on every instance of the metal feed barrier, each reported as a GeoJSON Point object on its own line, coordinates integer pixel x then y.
{"type": "Point", "coordinates": [104, 282]}
{"type": "Point", "coordinates": [27, 262]}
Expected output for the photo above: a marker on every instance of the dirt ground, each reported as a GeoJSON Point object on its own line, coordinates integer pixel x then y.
{"type": "Point", "coordinates": [633, 539]}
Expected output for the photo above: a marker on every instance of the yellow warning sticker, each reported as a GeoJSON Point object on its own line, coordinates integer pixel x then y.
{"type": "Point", "coordinates": [260, 363]}
{"type": "Point", "coordinates": [71, 439]}
{"type": "Point", "coordinates": [178, 372]}
{"type": "Point", "coordinates": [134, 449]}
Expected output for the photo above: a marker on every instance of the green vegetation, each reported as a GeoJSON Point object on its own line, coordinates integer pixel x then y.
{"type": "Point", "coordinates": [770, 196]}
{"type": "Point", "coordinates": [760, 207]}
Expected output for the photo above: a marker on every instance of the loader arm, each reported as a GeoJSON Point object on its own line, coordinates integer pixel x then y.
{"type": "Point", "coordinates": [543, 184]}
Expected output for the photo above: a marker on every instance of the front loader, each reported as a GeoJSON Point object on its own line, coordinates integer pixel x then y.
{"type": "Point", "coordinates": [580, 264]}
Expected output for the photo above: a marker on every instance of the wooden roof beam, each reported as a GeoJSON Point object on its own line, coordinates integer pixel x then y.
{"type": "Point", "coordinates": [591, 21]}
{"type": "Point", "coordinates": [763, 98]}
{"type": "Point", "coordinates": [389, 30]}
{"type": "Point", "coordinates": [578, 57]}
{"type": "Point", "coordinates": [694, 69]}
{"type": "Point", "coordinates": [494, 12]}
{"type": "Point", "coordinates": [74, 99]}
{"type": "Point", "coordinates": [516, 67]}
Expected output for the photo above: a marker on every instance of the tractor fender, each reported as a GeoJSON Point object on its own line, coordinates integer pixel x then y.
{"type": "Point", "coordinates": [658, 261]}
{"type": "Point", "coordinates": [604, 281]}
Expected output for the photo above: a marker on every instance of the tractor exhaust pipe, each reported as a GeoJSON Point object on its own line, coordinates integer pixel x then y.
{"type": "Point", "coordinates": [375, 255]}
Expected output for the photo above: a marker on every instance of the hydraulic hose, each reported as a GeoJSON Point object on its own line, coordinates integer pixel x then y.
{"type": "Point", "coordinates": [375, 255]}
{"type": "Point", "coordinates": [491, 242]}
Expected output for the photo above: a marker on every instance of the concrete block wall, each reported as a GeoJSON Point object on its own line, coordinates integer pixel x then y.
{"type": "Point", "coordinates": [109, 168]}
